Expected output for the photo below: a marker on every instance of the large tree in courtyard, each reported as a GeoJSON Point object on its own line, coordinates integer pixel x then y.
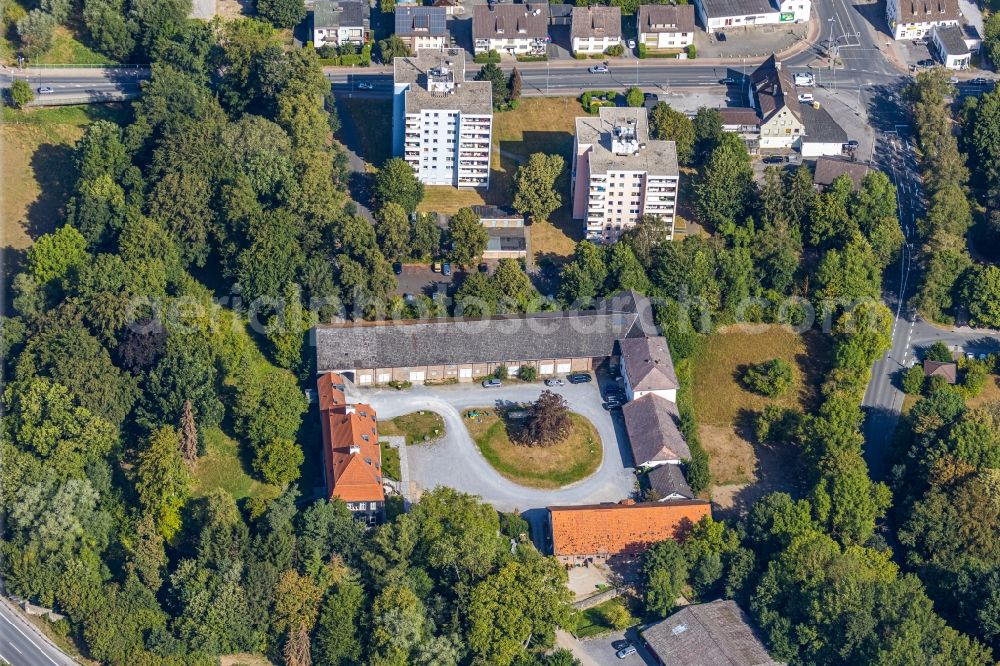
{"type": "Point", "coordinates": [535, 192]}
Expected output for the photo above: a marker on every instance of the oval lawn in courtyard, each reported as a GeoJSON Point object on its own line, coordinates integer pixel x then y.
{"type": "Point", "coordinates": [574, 458]}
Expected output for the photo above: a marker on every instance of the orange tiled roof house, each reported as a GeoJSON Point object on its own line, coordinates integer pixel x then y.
{"type": "Point", "coordinates": [352, 460]}
{"type": "Point", "coordinates": [602, 532]}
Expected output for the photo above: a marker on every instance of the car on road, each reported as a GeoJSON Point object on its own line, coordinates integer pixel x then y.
{"type": "Point", "coordinates": [620, 644]}
{"type": "Point", "coordinates": [45, 90]}
{"type": "Point", "coordinates": [804, 79]}
{"type": "Point", "coordinates": [598, 69]}
{"type": "Point", "coordinates": [579, 378]}
{"type": "Point", "coordinates": [774, 159]}
{"type": "Point", "coordinates": [446, 268]}
{"type": "Point", "coordinates": [397, 268]}
{"type": "Point", "coordinates": [492, 383]}
{"type": "Point", "coordinates": [625, 652]}
{"type": "Point", "coordinates": [365, 85]}
{"type": "Point", "coordinates": [630, 43]}
{"type": "Point", "coordinates": [806, 98]}
{"type": "Point", "coordinates": [554, 382]}
{"type": "Point", "coordinates": [728, 81]}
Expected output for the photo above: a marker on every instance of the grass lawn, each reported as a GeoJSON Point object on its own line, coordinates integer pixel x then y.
{"type": "Point", "coordinates": [539, 125]}
{"type": "Point", "coordinates": [390, 461]}
{"type": "Point", "coordinates": [726, 410]}
{"type": "Point", "coordinates": [67, 47]}
{"type": "Point", "coordinates": [575, 458]}
{"type": "Point", "coordinates": [417, 427]}
{"type": "Point", "coordinates": [223, 467]}
{"type": "Point", "coordinates": [447, 200]}
{"type": "Point", "coordinates": [38, 166]}
{"type": "Point", "coordinates": [592, 621]}
{"type": "Point", "coordinates": [366, 127]}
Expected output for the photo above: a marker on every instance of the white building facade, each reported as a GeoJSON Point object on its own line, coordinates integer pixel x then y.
{"type": "Point", "coordinates": [595, 29]}
{"type": "Point", "coordinates": [717, 15]}
{"type": "Point", "coordinates": [914, 19]}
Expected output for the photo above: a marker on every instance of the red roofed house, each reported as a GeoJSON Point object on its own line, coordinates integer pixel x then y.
{"type": "Point", "coordinates": [352, 460]}
{"type": "Point", "coordinates": [600, 532]}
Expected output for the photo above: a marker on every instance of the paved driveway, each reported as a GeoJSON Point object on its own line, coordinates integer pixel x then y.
{"type": "Point", "coordinates": [455, 461]}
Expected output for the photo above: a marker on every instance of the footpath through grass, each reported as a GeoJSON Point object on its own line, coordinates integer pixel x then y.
{"type": "Point", "coordinates": [417, 427]}
{"type": "Point", "coordinates": [573, 459]}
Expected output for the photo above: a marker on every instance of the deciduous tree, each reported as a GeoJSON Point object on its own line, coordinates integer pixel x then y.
{"type": "Point", "coordinates": [535, 193]}
{"type": "Point", "coordinates": [468, 237]}
{"type": "Point", "coordinates": [396, 183]}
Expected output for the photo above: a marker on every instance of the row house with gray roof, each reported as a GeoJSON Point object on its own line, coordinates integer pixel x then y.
{"type": "Point", "coordinates": [510, 29]}
{"type": "Point", "coordinates": [339, 22]}
{"type": "Point", "coordinates": [595, 29]}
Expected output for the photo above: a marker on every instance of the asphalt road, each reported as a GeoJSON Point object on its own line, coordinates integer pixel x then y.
{"type": "Point", "coordinates": [78, 85]}
{"type": "Point", "coordinates": [21, 644]}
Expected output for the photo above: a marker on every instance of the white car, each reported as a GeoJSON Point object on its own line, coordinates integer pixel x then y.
{"type": "Point", "coordinates": [806, 98]}
{"type": "Point", "coordinates": [45, 90]}
{"type": "Point", "coordinates": [598, 69]}
{"type": "Point", "coordinates": [804, 79]}
{"type": "Point", "coordinates": [630, 43]}
{"type": "Point", "coordinates": [365, 85]}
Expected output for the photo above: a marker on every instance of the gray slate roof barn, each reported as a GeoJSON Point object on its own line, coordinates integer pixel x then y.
{"type": "Point", "coordinates": [830, 169]}
{"type": "Point", "coordinates": [653, 426]}
{"type": "Point", "coordinates": [648, 364]}
{"type": "Point", "coordinates": [723, 8]}
{"type": "Point", "coordinates": [542, 335]}
{"type": "Point", "coordinates": [665, 18]}
{"type": "Point", "coordinates": [598, 22]}
{"type": "Point", "coordinates": [669, 482]}
{"type": "Point", "coordinates": [820, 126]}
{"type": "Point", "coordinates": [718, 633]}
{"type": "Point", "coordinates": [424, 21]}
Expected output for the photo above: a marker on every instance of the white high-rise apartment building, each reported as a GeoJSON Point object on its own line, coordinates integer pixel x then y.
{"type": "Point", "coordinates": [620, 174]}
{"type": "Point", "coordinates": [442, 124]}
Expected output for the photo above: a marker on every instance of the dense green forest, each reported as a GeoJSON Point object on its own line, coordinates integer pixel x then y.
{"type": "Point", "coordinates": [130, 343]}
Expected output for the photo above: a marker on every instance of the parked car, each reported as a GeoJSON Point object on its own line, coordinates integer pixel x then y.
{"type": "Point", "coordinates": [554, 382]}
{"type": "Point", "coordinates": [446, 268]}
{"type": "Point", "coordinates": [616, 394]}
{"type": "Point", "coordinates": [792, 158]}
{"type": "Point", "coordinates": [620, 644]}
{"type": "Point", "coordinates": [630, 43]}
{"type": "Point", "coordinates": [598, 69]}
{"type": "Point", "coordinates": [773, 159]}
{"type": "Point", "coordinates": [970, 355]}
{"type": "Point", "coordinates": [625, 652]}
{"type": "Point", "coordinates": [804, 79]}
{"type": "Point", "coordinates": [721, 36]}
{"type": "Point", "coordinates": [728, 81]}
{"type": "Point", "coordinates": [926, 62]}
{"type": "Point", "coordinates": [611, 405]}
{"type": "Point", "coordinates": [492, 383]}
{"type": "Point", "coordinates": [851, 145]}
{"type": "Point", "coordinates": [436, 267]}
{"type": "Point", "coordinates": [484, 267]}
{"type": "Point", "coordinates": [365, 85]}
{"type": "Point", "coordinates": [806, 98]}
{"type": "Point", "coordinates": [397, 268]}
{"type": "Point", "coordinates": [579, 378]}
{"type": "Point", "coordinates": [45, 90]}
{"type": "Point", "coordinates": [982, 357]}
{"type": "Point", "coordinates": [954, 80]}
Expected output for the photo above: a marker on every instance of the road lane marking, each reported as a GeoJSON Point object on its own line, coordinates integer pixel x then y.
{"type": "Point", "coordinates": [27, 637]}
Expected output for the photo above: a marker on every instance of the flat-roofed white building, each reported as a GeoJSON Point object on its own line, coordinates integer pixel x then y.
{"type": "Point", "coordinates": [725, 14]}
{"type": "Point", "coordinates": [620, 174]}
{"type": "Point", "coordinates": [442, 124]}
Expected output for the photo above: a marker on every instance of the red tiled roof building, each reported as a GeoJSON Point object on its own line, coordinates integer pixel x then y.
{"type": "Point", "coordinates": [601, 532]}
{"type": "Point", "coordinates": [352, 460]}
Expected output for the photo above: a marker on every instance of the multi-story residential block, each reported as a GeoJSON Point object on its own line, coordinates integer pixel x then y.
{"type": "Point", "coordinates": [337, 22]}
{"type": "Point", "coordinates": [913, 19]}
{"type": "Point", "coordinates": [620, 174]}
{"type": "Point", "coordinates": [422, 28]}
{"type": "Point", "coordinates": [511, 29]}
{"type": "Point", "coordinates": [442, 124]}
{"type": "Point", "coordinates": [665, 26]}
{"type": "Point", "coordinates": [352, 459]}
{"type": "Point", "coordinates": [595, 29]}
{"type": "Point", "coordinates": [724, 14]}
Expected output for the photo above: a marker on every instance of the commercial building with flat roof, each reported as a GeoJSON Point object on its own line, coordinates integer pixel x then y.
{"type": "Point", "coordinates": [620, 174]}
{"type": "Point", "coordinates": [442, 124]}
{"type": "Point", "coordinates": [724, 15]}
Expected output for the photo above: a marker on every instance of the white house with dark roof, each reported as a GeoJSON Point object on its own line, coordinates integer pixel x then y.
{"type": "Point", "coordinates": [647, 368]}
{"type": "Point", "coordinates": [595, 29]}
{"type": "Point", "coordinates": [511, 29]}
{"type": "Point", "coordinates": [949, 45]}
{"type": "Point", "coordinates": [913, 19]}
{"type": "Point", "coordinates": [422, 28]}
{"type": "Point", "coordinates": [338, 22]}
{"type": "Point", "coordinates": [665, 26]}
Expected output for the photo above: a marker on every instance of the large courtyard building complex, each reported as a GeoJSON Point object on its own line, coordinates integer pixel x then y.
{"type": "Point", "coordinates": [442, 124]}
{"type": "Point", "coordinates": [620, 174]}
